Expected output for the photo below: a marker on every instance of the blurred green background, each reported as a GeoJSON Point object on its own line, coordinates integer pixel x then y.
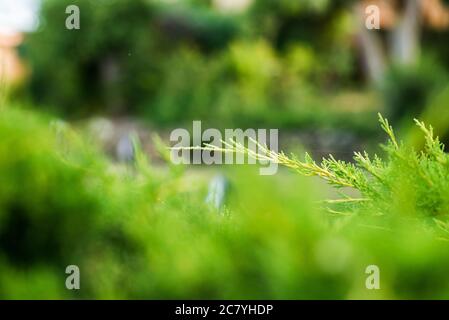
{"type": "Point", "coordinates": [70, 101]}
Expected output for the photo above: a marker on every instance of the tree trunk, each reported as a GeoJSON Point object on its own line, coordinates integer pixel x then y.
{"type": "Point", "coordinates": [405, 37]}
{"type": "Point", "coordinates": [371, 47]}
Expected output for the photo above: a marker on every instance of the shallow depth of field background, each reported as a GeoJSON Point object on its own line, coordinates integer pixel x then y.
{"type": "Point", "coordinates": [73, 189]}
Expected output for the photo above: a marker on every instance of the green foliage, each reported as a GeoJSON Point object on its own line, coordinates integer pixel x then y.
{"type": "Point", "coordinates": [325, 27]}
{"type": "Point", "coordinates": [408, 89]}
{"type": "Point", "coordinates": [114, 63]}
{"type": "Point", "coordinates": [62, 203]}
{"type": "Point", "coordinates": [245, 85]}
{"type": "Point", "coordinates": [100, 65]}
{"type": "Point", "coordinates": [405, 176]}
{"type": "Point", "coordinates": [177, 62]}
{"type": "Point", "coordinates": [137, 232]}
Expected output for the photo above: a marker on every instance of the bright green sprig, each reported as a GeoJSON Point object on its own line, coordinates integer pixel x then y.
{"type": "Point", "coordinates": [423, 176]}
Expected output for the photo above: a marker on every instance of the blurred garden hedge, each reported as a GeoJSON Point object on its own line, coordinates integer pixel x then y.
{"type": "Point", "coordinates": [182, 61]}
{"type": "Point", "coordinates": [136, 232]}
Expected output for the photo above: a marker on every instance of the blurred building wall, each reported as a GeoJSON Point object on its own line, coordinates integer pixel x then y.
{"type": "Point", "coordinates": [12, 69]}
